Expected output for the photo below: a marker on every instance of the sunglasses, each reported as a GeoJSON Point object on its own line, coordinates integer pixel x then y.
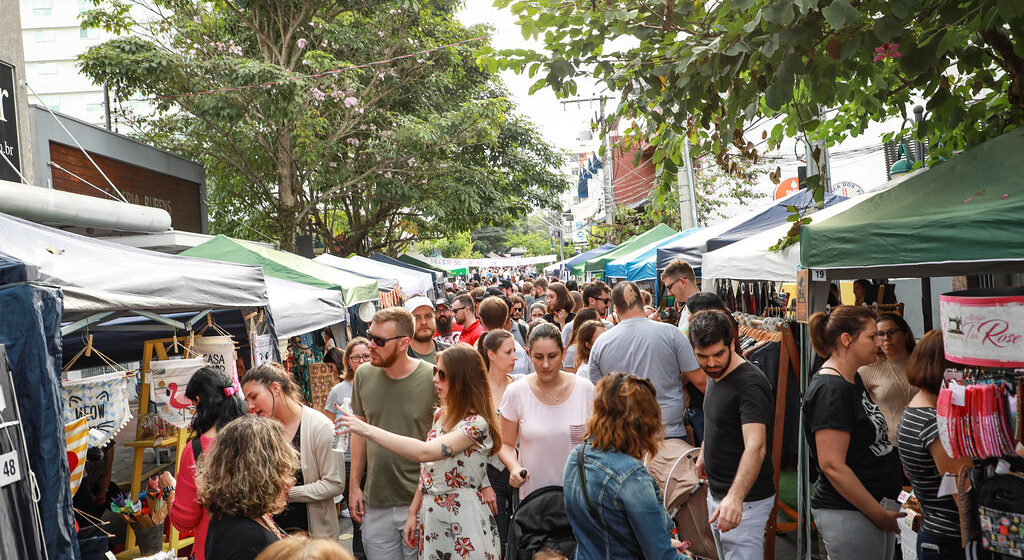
{"type": "Point", "coordinates": [606, 301]}
{"type": "Point", "coordinates": [378, 341]}
{"type": "Point", "coordinates": [440, 373]}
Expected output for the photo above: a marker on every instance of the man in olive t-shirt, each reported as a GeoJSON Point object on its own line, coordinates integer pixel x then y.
{"type": "Point", "coordinates": [394, 392]}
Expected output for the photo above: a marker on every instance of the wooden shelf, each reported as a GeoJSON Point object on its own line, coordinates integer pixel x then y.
{"type": "Point", "coordinates": [167, 441]}
{"type": "Point", "coordinates": [134, 552]}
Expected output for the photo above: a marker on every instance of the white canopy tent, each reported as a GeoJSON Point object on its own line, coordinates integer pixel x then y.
{"type": "Point", "coordinates": [299, 308]}
{"type": "Point", "coordinates": [412, 283]}
{"type": "Point", "coordinates": [386, 281]}
{"type": "Point", "coordinates": [98, 276]}
{"type": "Point", "coordinates": [753, 259]}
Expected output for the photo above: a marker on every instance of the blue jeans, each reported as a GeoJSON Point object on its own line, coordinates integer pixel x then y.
{"type": "Point", "coordinates": [932, 547]}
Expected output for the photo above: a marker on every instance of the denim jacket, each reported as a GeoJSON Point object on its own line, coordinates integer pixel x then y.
{"type": "Point", "coordinates": [629, 502]}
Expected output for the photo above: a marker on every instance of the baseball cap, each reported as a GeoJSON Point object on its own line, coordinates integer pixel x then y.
{"type": "Point", "coordinates": [417, 302]}
{"type": "Point", "coordinates": [442, 301]}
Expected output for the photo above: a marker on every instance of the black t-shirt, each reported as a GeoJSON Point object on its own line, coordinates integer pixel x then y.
{"type": "Point", "coordinates": [831, 402]}
{"type": "Point", "coordinates": [742, 397]}
{"type": "Point", "coordinates": [237, 538]}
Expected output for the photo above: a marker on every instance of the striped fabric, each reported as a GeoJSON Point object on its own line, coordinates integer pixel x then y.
{"type": "Point", "coordinates": [76, 438]}
{"type": "Point", "coordinates": [916, 433]}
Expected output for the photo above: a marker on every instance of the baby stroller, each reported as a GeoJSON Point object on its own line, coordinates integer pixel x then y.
{"type": "Point", "coordinates": [674, 468]}
{"type": "Point", "coordinates": [540, 522]}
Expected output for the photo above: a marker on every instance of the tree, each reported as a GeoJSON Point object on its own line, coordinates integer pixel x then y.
{"type": "Point", "coordinates": [822, 69]}
{"type": "Point", "coordinates": [458, 246]}
{"type": "Point", "coordinates": [302, 130]}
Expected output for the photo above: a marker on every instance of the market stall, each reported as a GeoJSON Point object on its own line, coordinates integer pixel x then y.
{"type": "Point", "coordinates": [566, 269]}
{"type": "Point", "coordinates": [639, 265]}
{"type": "Point", "coordinates": [410, 282]}
{"type": "Point", "coordinates": [693, 247]}
{"type": "Point", "coordinates": [66, 284]}
{"type": "Point", "coordinates": [595, 266]}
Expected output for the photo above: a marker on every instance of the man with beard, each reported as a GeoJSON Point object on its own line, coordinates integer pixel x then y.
{"type": "Point", "coordinates": [423, 345]}
{"type": "Point", "coordinates": [734, 457]}
{"type": "Point", "coordinates": [447, 331]}
{"type": "Point", "coordinates": [391, 377]}
{"type": "Point", "coordinates": [464, 309]}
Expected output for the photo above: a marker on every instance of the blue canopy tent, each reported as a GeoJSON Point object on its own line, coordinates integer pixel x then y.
{"type": "Point", "coordinates": [692, 248]}
{"type": "Point", "coordinates": [618, 268]}
{"type": "Point", "coordinates": [644, 266]}
{"type": "Point", "coordinates": [566, 267]}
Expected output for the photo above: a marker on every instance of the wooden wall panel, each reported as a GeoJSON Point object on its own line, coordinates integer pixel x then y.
{"type": "Point", "coordinates": [180, 198]}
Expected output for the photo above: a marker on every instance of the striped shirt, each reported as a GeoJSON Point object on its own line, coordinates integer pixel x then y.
{"type": "Point", "coordinates": [916, 433]}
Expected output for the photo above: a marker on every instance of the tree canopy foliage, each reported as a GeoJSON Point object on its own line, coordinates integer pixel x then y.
{"type": "Point", "coordinates": [822, 69]}
{"type": "Point", "coordinates": [369, 124]}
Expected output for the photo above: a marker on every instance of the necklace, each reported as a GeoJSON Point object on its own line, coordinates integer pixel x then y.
{"type": "Point", "coordinates": [896, 379]}
{"type": "Point", "coordinates": [561, 389]}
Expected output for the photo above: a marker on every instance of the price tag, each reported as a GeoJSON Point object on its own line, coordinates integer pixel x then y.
{"type": "Point", "coordinates": [818, 275]}
{"type": "Point", "coordinates": [10, 470]}
{"type": "Point", "coordinates": [903, 497]}
{"type": "Point", "coordinates": [958, 394]}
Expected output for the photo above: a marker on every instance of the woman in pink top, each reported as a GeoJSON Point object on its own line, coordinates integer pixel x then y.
{"type": "Point", "coordinates": [212, 393]}
{"type": "Point", "coordinates": [547, 412]}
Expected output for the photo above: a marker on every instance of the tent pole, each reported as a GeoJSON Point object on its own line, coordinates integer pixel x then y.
{"type": "Point", "coordinates": [926, 303]}
{"type": "Point", "coordinates": [83, 323]}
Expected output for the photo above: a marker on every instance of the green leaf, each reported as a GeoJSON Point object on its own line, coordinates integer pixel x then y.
{"type": "Point", "coordinates": [778, 12]}
{"type": "Point", "coordinates": [905, 9]}
{"type": "Point", "coordinates": [561, 68]}
{"type": "Point", "coordinates": [836, 13]}
{"type": "Point", "coordinates": [805, 5]}
{"type": "Point", "coordinates": [850, 46]}
{"type": "Point", "coordinates": [888, 28]}
{"type": "Point", "coordinates": [742, 4]}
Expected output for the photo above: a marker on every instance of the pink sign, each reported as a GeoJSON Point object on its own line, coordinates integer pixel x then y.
{"type": "Point", "coordinates": [983, 330]}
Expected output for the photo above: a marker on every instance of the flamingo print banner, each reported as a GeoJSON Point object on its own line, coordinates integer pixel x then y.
{"type": "Point", "coordinates": [167, 382]}
{"type": "Point", "coordinates": [102, 400]}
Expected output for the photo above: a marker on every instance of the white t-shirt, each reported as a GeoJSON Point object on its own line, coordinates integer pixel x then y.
{"type": "Point", "coordinates": [684, 321]}
{"type": "Point", "coordinates": [547, 434]}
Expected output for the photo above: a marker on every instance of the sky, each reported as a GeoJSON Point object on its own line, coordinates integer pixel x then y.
{"type": "Point", "coordinates": [561, 125]}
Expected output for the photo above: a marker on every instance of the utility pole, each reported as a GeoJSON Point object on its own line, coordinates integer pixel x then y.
{"type": "Point", "coordinates": [688, 203]}
{"type": "Point", "coordinates": [825, 169]}
{"type": "Point", "coordinates": [607, 161]}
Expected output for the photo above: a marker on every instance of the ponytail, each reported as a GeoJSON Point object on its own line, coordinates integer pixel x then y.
{"type": "Point", "coordinates": [491, 341]}
{"type": "Point", "coordinates": [825, 330]}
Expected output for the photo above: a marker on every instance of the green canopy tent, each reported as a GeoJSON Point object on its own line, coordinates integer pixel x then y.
{"type": "Point", "coordinates": [963, 217]}
{"type": "Point", "coordinates": [595, 266]}
{"type": "Point", "coordinates": [288, 266]}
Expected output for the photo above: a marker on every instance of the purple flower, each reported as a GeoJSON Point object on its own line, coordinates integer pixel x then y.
{"type": "Point", "coordinates": [301, 43]}
{"type": "Point", "coordinates": [351, 102]}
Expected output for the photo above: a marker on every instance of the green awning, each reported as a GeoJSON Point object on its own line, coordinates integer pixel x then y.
{"type": "Point", "coordinates": [287, 266]}
{"type": "Point", "coordinates": [596, 264]}
{"type": "Point", "coordinates": [965, 216]}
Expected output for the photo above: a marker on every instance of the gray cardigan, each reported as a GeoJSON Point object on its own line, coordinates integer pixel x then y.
{"type": "Point", "coordinates": [323, 471]}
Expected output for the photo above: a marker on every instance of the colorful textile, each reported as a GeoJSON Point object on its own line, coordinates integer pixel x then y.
{"type": "Point", "coordinates": [219, 353]}
{"type": "Point", "coordinates": [167, 382]}
{"type": "Point", "coordinates": [103, 401]}
{"type": "Point", "coordinates": [76, 437]}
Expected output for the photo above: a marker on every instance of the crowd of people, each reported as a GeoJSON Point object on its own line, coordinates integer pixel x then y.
{"type": "Point", "coordinates": [458, 408]}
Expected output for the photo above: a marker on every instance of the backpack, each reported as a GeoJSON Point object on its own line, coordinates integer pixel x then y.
{"type": "Point", "coordinates": [674, 468]}
{"type": "Point", "coordinates": [540, 522]}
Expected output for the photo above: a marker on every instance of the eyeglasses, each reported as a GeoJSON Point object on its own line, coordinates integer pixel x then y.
{"type": "Point", "coordinates": [440, 373]}
{"type": "Point", "coordinates": [607, 301]}
{"type": "Point", "coordinates": [457, 309]}
{"type": "Point", "coordinates": [378, 341]}
{"type": "Point", "coordinates": [360, 358]}
{"type": "Point", "coordinates": [673, 283]}
{"type": "Point", "coordinates": [889, 333]}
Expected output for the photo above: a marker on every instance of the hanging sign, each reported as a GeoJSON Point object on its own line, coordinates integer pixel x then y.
{"type": "Point", "coordinates": [264, 349]}
{"type": "Point", "coordinates": [9, 145]}
{"type": "Point", "coordinates": [219, 353]}
{"type": "Point", "coordinates": [10, 472]}
{"type": "Point", "coordinates": [167, 382]}
{"type": "Point", "coordinates": [984, 327]}
{"type": "Point", "coordinates": [103, 401]}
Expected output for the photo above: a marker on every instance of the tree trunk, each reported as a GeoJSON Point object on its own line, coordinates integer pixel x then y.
{"type": "Point", "coordinates": [287, 212]}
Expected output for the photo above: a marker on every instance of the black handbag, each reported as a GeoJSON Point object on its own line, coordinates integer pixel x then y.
{"type": "Point", "coordinates": [1000, 507]}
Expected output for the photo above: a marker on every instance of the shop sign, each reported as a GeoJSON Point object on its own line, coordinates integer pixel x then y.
{"type": "Point", "coordinates": [9, 145]}
{"type": "Point", "coordinates": [787, 187]}
{"type": "Point", "coordinates": [847, 189]}
{"type": "Point", "coordinates": [984, 327]}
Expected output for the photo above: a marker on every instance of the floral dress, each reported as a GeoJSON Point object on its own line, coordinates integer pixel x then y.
{"type": "Point", "coordinates": [455, 523]}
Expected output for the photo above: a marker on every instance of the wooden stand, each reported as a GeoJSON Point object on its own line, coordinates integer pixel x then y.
{"type": "Point", "coordinates": [177, 441]}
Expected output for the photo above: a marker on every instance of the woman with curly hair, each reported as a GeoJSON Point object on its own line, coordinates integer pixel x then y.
{"type": "Point", "coordinates": [448, 516]}
{"type": "Point", "coordinates": [242, 481]}
{"type": "Point", "coordinates": [216, 404]}
{"type": "Point", "coordinates": [612, 501]}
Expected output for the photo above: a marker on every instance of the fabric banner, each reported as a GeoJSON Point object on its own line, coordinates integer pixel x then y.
{"type": "Point", "coordinates": [103, 401]}
{"type": "Point", "coordinates": [510, 261]}
{"type": "Point", "coordinates": [76, 434]}
{"type": "Point", "coordinates": [219, 353]}
{"type": "Point", "coordinates": [984, 327]}
{"type": "Point", "coordinates": [167, 382]}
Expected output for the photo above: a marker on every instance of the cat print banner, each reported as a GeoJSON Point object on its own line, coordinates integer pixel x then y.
{"type": "Point", "coordinates": [103, 401]}
{"type": "Point", "coordinates": [167, 382]}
